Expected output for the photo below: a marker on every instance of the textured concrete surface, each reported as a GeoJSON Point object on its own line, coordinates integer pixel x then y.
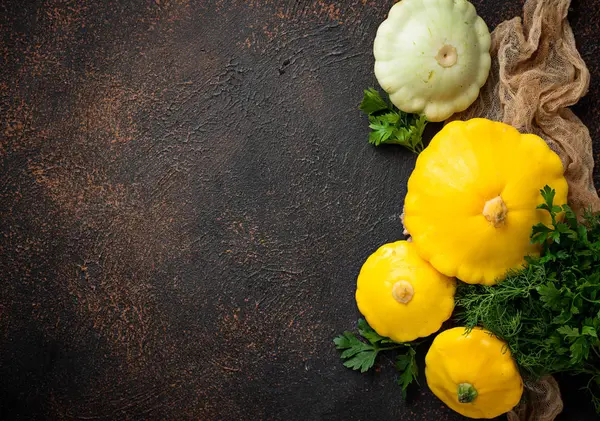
{"type": "Point", "coordinates": [186, 197]}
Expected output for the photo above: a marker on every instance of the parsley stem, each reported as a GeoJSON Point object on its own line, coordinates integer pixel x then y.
{"type": "Point", "coordinates": [390, 348]}
{"type": "Point", "coordinates": [588, 300]}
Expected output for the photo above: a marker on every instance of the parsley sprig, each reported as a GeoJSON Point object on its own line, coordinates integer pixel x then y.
{"type": "Point", "coordinates": [390, 125]}
{"type": "Point", "coordinates": [361, 354]}
{"type": "Point", "coordinates": [548, 312]}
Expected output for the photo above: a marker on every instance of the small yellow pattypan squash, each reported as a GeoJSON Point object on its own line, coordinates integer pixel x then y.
{"type": "Point", "coordinates": [401, 295]}
{"type": "Point", "coordinates": [432, 56]}
{"type": "Point", "coordinates": [472, 198]}
{"type": "Point", "coordinates": [474, 374]}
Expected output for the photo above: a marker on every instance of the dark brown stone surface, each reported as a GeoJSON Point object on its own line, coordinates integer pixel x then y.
{"type": "Point", "coordinates": [186, 198]}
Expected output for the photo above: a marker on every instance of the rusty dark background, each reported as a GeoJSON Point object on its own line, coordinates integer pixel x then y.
{"type": "Point", "coordinates": [186, 197]}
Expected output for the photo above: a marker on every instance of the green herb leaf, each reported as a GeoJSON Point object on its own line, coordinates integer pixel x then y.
{"type": "Point", "coordinates": [548, 195]}
{"type": "Point", "coordinates": [580, 350]}
{"type": "Point", "coordinates": [368, 333]}
{"type": "Point", "coordinates": [362, 361]}
{"type": "Point", "coordinates": [406, 364]}
{"type": "Point", "coordinates": [589, 331]}
{"type": "Point", "coordinates": [568, 332]}
{"type": "Point", "coordinates": [390, 125]}
{"type": "Point", "coordinates": [372, 102]}
{"type": "Point", "coordinates": [549, 294]}
{"type": "Point", "coordinates": [360, 355]}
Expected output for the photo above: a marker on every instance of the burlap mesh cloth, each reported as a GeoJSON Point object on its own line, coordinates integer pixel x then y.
{"type": "Point", "coordinates": [536, 73]}
{"type": "Point", "coordinates": [541, 402]}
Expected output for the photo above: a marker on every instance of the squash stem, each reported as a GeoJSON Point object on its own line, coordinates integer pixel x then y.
{"type": "Point", "coordinates": [466, 393]}
{"type": "Point", "coordinates": [403, 292]}
{"type": "Point", "coordinates": [495, 211]}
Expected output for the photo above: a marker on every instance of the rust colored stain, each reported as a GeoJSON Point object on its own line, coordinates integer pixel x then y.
{"type": "Point", "coordinates": [186, 199]}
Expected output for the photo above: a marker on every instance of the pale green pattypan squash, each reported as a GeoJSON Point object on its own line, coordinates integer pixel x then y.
{"type": "Point", "coordinates": [432, 56]}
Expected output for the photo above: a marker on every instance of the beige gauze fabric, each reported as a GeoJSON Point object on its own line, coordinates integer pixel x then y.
{"type": "Point", "coordinates": [542, 402]}
{"type": "Point", "coordinates": [536, 74]}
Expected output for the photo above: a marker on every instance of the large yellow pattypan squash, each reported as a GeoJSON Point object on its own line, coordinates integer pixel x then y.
{"type": "Point", "coordinates": [474, 373]}
{"type": "Point", "coordinates": [401, 295]}
{"type": "Point", "coordinates": [472, 198]}
{"type": "Point", "coordinates": [432, 56]}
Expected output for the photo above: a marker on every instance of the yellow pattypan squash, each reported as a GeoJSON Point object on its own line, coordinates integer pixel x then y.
{"type": "Point", "coordinates": [472, 198]}
{"type": "Point", "coordinates": [474, 373]}
{"type": "Point", "coordinates": [401, 295]}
